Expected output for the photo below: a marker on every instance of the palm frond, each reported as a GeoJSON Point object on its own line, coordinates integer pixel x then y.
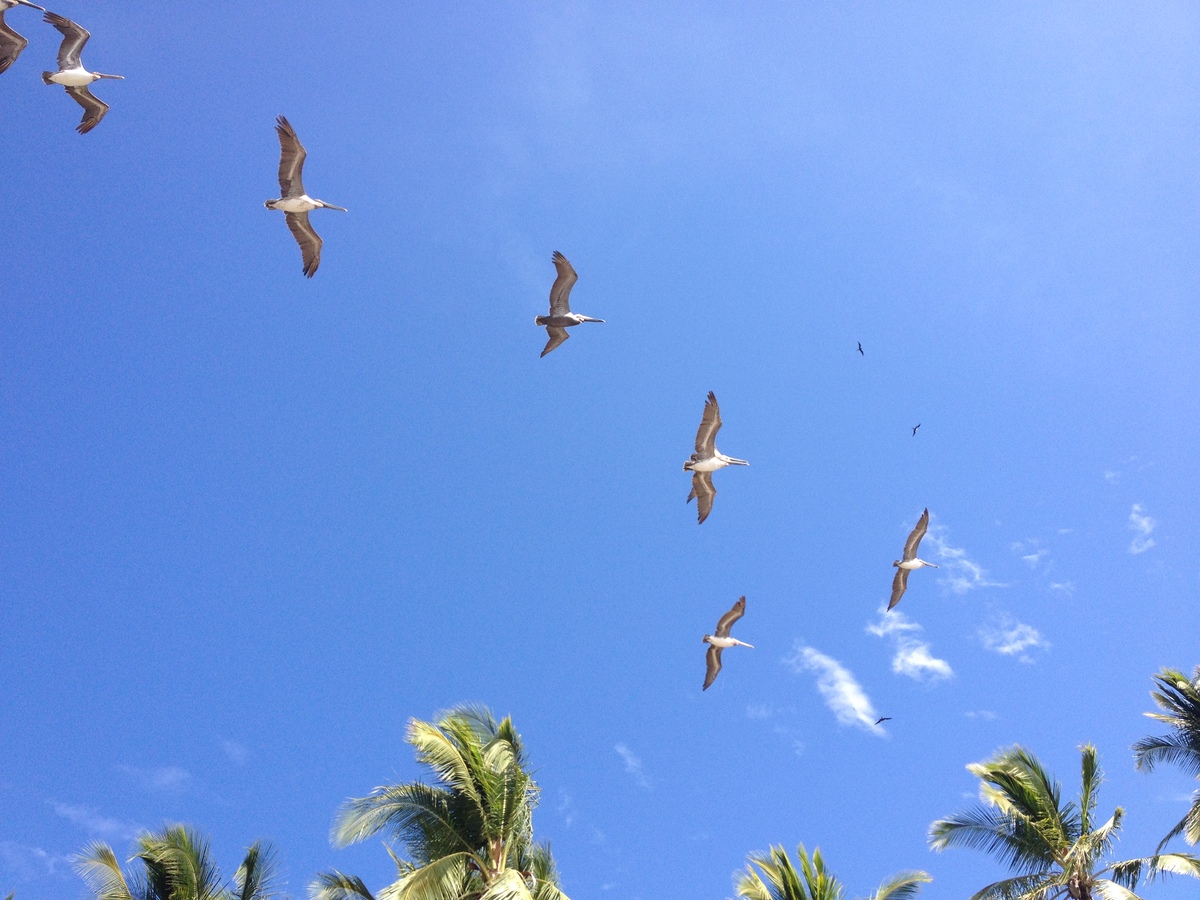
{"type": "Point", "coordinates": [774, 879]}
{"type": "Point", "coordinates": [336, 885]}
{"type": "Point", "coordinates": [442, 879]}
{"type": "Point", "coordinates": [97, 865]}
{"type": "Point", "coordinates": [255, 877]}
{"type": "Point", "coordinates": [431, 821]}
{"type": "Point", "coordinates": [1090, 779]}
{"type": "Point", "coordinates": [449, 749]}
{"type": "Point", "coordinates": [902, 886]}
{"type": "Point", "coordinates": [1010, 838]}
{"type": "Point", "coordinates": [508, 886]}
{"type": "Point", "coordinates": [1176, 749]}
{"type": "Point", "coordinates": [1103, 889]}
{"type": "Point", "coordinates": [1040, 886]}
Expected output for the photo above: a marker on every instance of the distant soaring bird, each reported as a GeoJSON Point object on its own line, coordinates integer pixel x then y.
{"type": "Point", "coordinates": [910, 561]}
{"type": "Point", "coordinates": [561, 318]}
{"type": "Point", "coordinates": [707, 459]}
{"type": "Point", "coordinates": [11, 43]}
{"type": "Point", "coordinates": [883, 719]}
{"type": "Point", "coordinates": [915, 427]}
{"type": "Point", "coordinates": [72, 75]}
{"type": "Point", "coordinates": [294, 202]}
{"type": "Point", "coordinates": [719, 641]}
{"type": "Point", "coordinates": [860, 349]}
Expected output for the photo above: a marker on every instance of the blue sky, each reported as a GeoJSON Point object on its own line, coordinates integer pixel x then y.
{"type": "Point", "coordinates": [250, 524]}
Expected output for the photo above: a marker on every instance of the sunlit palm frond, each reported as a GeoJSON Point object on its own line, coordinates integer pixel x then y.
{"type": "Point", "coordinates": [902, 886]}
{"type": "Point", "coordinates": [1007, 837]}
{"type": "Point", "coordinates": [1040, 886]}
{"type": "Point", "coordinates": [452, 749]}
{"type": "Point", "coordinates": [97, 865]}
{"type": "Point", "coordinates": [1096, 844]}
{"type": "Point", "coordinates": [179, 865]}
{"type": "Point", "coordinates": [336, 885]}
{"type": "Point", "coordinates": [509, 886]}
{"type": "Point", "coordinates": [775, 878]}
{"type": "Point", "coordinates": [430, 821]}
{"type": "Point", "coordinates": [255, 877]}
{"type": "Point", "coordinates": [443, 879]}
{"type": "Point", "coordinates": [1103, 889]}
{"type": "Point", "coordinates": [1172, 749]}
{"type": "Point", "coordinates": [1130, 871]}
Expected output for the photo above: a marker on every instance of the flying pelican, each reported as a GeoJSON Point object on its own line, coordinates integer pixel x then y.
{"type": "Point", "coordinates": [294, 202]}
{"type": "Point", "coordinates": [915, 427]}
{"type": "Point", "coordinates": [719, 641]}
{"type": "Point", "coordinates": [11, 43]}
{"type": "Point", "coordinates": [707, 459]}
{"type": "Point", "coordinates": [72, 75]}
{"type": "Point", "coordinates": [561, 318]}
{"type": "Point", "coordinates": [910, 561]}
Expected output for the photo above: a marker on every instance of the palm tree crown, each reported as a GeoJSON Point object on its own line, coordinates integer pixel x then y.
{"type": "Point", "coordinates": [469, 835]}
{"type": "Point", "coordinates": [1179, 700]}
{"type": "Point", "coordinates": [771, 876]}
{"type": "Point", "coordinates": [1056, 848]}
{"type": "Point", "coordinates": [175, 865]}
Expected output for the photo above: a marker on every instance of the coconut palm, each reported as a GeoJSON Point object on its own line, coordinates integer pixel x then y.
{"type": "Point", "coordinates": [175, 865]}
{"type": "Point", "coordinates": [777, 879]}
{"type": "Point", "coordinates": [1179, 700]}
{"type": "Point", "coordinates": [1057, 849]}
{"type": "Point", "coordinates": [468, 836]}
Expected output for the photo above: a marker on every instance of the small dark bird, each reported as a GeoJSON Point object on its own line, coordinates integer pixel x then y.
{"type": "Point", "coordinates": [915, 427]}
{"type": "Point", "coordinates": [882, 719]}
{"type": "Point", "coordinates": [860, 349]}
{"type": "Point", "coordinates": [719, 641]}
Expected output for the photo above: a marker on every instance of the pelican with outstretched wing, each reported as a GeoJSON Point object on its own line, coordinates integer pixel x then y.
{"type": "Point", "coordinates": [11, 43]}
{"type": "Point", "coordinates": [719, 641]}
{"type": "Point", "coordinates": [561, 318]}
{"type": "Point", "coordinates": [910, 561]}
{"type": "Point", "coordinates": [72, 75]}
{"type": "Point", "coordinates": [707, 459]}
{"type": "Point", "coordinates": [294, 202]}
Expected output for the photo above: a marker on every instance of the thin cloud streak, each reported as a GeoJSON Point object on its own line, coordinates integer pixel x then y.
{"type": "Point", "coordinates": [95, 824]}
{"type": "Point", "coordinates": [1009, 637]}
{"type": "Point", "coordinates": [962, 574]}
{"type": "Point", "coordinates": [1141, 525]}
{"type": "Point", "coordinates": [913, 658]}
{"type": "Point", "coordinates": [633, 766]}
{"type": "Point", "coordinates": [837, 684]}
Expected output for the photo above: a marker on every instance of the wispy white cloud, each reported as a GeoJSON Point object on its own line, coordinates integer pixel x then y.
{"type": "Point", "coordinates": [1031, 551]}
{"type": "Point", "coordinates": [986, 714]}
{"type": "Point", "coordinates": [23, 862]}
{"type": "Point", "coordinates": [961, 574]}
{"type": "Point", "coordinates": [842, 692]}
{"type": "Point", "coordinates": [1009, 637]}
{"type": "Point", "coordinates": [1066, 587]}
{"type": "Point", "coordinates": [566, 807]}
{"type": "Point", "coordinates": [1111, 477]}
{"type": "Point", "coordinates": [95, 824]}
{"type": "Point", "coordinates": [164, 778]}
{"type": "Point", "coordinates": [913, 656]}
{"type": "Point", "coordinates": [760, 711]}
{"type": "Point", "coordinates": [236, 751]}
{"type": "Point", "coordinates": [633, 766]}
{"type": "Point", "coordinates": [1141, 525]}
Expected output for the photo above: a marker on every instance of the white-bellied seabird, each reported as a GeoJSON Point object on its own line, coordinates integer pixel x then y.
{"type": "Point", "coordinates": [707, 459]}
{"type": "Point", "coordinates": [72, 75]}
{"type": "Point", "coordinates": [910, 561]}
{"type": "Point", "coordinates": [11, 43]}
{"type": "Point", "coordinates": [294, 202]}
{"type": "Point", "coordinates": [561, 318]}
{"type": "Point", "coordinates": [719, 641]}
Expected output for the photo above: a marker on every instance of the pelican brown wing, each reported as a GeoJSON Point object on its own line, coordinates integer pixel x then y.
{"type": "Point", "coordinates": [560, 291]}
{"type": "Point", "coordinates": [703, 493]}
{"type": "Point", "coordinates": [914, 539]}
{"type": "Point", "coordinates": [710, 424]}
{"type": "Point", "coordinates": [291, 162]}
{"type": "Point", "coordinates": [11, 45]}
{"type": "Point", "coordinates": [726, 621]}
{"type": "Point", "coordinates": [899, 586]}
{"type": "Point", "coordinates": [74, 37]}
{"type": "Point", "coordinates": [93, 109]}
{"type": "Point", "coordinates": [714, 666]}
{"type": "Point", "coordinates": [557, 336]}
{"type": "Point", "coordinates": [310, 242]}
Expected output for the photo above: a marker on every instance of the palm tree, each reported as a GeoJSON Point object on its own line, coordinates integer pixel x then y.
{"type": "Point", "coordinates": [176, 865]}
{"type": "Point", "coordinates": [469, 836]}
{"type": "Point", "coordinates": [1179, 700]}
{"type": "Point", "coordinates": [777, 879]}
{"type": "Point", "coordinates": [1056, 848]}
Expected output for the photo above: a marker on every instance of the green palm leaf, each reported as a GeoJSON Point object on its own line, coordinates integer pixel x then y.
{"type": "Point", "coordinates": [338, 886]}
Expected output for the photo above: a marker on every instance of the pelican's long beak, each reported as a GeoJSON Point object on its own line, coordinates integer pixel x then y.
{"type": "Point", "coordinates": [590, 319]}
{"type": "Point", "coordinates": [932, 566]}
{"type": "Point", "coordinates": [744, 644]}
{"type": "Point", "coordinates": [34, 5]}
{"type": "Point", "coordinates": [102, 75]}
{"type": "Point", "coordinates": [736, 462]}
{"type": "Point", "coordinates": [325, 205]}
